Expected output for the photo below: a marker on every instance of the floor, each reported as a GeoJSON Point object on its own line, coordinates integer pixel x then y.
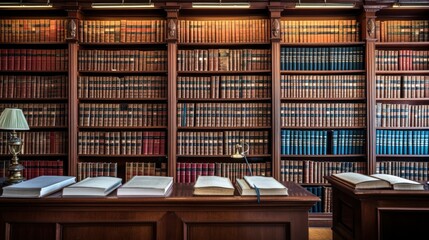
{"type": "Point", "coordinates": [320, 233]}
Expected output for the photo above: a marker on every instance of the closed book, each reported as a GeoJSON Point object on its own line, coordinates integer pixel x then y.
{"type": "Point", "coordinates": [38, 187]}
{"type": "Point", "coordinates": [93, 187]}
{"type": "Point", "coordinates": [213, 185]}
{"type": "Point", "coordinates": [267, 186]}
{"type": "Point", "coordinates": [146, 186]}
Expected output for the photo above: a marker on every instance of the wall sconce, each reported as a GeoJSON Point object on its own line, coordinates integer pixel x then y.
{"type": "Point", "coordinates": [241, 152]}
{"type": "Point", "coordinates": [14, 119]}
{"type": "Point", "coordinates": [20, 4]}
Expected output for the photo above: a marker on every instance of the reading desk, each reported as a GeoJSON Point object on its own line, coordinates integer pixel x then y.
{"type": "Point", "coordinates": [378, 214]}
{"type": "Point", "coordinates": [179, 216]}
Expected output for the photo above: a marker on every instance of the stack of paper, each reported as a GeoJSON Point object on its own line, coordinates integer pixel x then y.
{"type": "Point", "coordinates": [213, 185]}
{"type": "Point", "coordinates": [93, 187]}
{"type": "Point", "coordinates": [146, 186]}
{"type": "Point", "coordinates": [38, 187]}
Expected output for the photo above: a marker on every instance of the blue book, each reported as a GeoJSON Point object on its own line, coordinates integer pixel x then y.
{"type": "Point", "coordinates": [334, 142]}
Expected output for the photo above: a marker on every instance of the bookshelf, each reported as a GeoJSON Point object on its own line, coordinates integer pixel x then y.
{"type": "Point", "coordinates": [122, 96]}
{"type": "Point", "coordinates": [223, 95]}
{"type": "Point", "coordinates": [303, 88]}
{"type": "Point", "coordinates": [34, 77]}
{"type": "Point", "coordinates": [323, 101]}
{"type": "Point", "coordinates": [401, 96]}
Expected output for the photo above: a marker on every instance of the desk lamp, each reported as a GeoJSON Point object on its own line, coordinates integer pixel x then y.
{"type": "Point", "coordinates": [14, 119]}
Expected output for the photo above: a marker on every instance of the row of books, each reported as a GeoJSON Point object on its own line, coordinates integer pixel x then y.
{"type": "Point", "coordinates": [224, 31]}
{"type": "Point", "coordinates": [320, 31]}
{"type": "Point", "coordinates": [223, 114]}
{"type": "Point", "coordinates": [32, 30]}
{"type": "Point", "coordinates": [321, 192]}
{"type": "Point", "coordinates": [122, 115]}
{"type": "Point", "coordinates": [223, 59]}
{"type": "Point", "coordinates": [302, 142]}
{"type": "Point", "coordinates": [401, 115]}
{"type": "Point", "coordinates": [394, 60]}
{"type": "Point", "coordinates": [323, 114]}
{"type": "Point", "coordinates": [323, 86]}
{"type": "Point", "coordinates": [222, 142]}
{"type": "Point", "coordinates": [145, 169]}
{"type": "Point", "coordinates": [35, 168]}
{"type": "Point", "coordinates": [187, 172]}
{"type": "Point", "coordinates": [390, 86]}
{"type": "Point", "coordinates": [402, 31]}
{"type": "Point", "coordinates": [122, 31]}
{"type": "Point", "coordinates": [37, 142]}
{"type": "Point", "coordinates": [229, 87]}
{"type": "Point", "coordinates": [122, 60]}
{"type": "Point", "coordinates": [314, 142]}
{"type": "Point", "coordinates": [129, 87]}
{"type": "Point", "coordinates": [33, 86]}
{"type": "Point", "coordinates": [41, 114]}
{"type": "Point", "coordinates": [121, 143]}
{"type": "Point", "coordinates": [33, 59]}
{"type": "Point", "coordinates": [402, 142]}
{"type": "Point", "coordinates": [96, 169]}
{"type": "Point", "coordinates": [322, 58]}
{"type": "Point", "coordinates": [309, 171]}
{"type": "Point", "coordinates": [416, 171]}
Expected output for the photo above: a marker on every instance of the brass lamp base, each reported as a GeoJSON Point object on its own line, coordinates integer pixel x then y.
{"type": "Point", "coordinates": [15, 174]}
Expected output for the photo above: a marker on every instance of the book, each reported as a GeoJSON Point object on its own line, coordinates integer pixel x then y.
{"type": "Point", "coordinates": [93, 187]}
{"type": "Point", "coordinates": [265, 185]}
{"type": "Point", "coordinates": [38, 187]}
{"type": "Point", "coordinates": [146, 186]}
{"type": "Point", "coordinates": [378, 181]}
{"type": "Point", "coordinates": [213, 185]}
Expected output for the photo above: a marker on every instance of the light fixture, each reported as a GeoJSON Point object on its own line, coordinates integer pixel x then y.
{"type": "Point", "coordinates": [123, 5]}
{"type": "Point", "coordinates": [240, 152]}
{"type": "Point", "coordinates": [325, 5]}
{"type": "Point", "coordinates": [20, 4]}
{"type": "Point", "coordinates": [399, 5]}
{"type": "Point", "coordinates": [220, 4]}
{"type": "Point", "coordinates": [14, 119]}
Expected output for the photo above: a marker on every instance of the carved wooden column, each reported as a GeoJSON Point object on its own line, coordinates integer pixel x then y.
{"type": "Point", "coordinates": [172, 15]}
{"type": "Point", "coordinates": [74, 15]}
{"type": "Point", "coordinates": [368, 36]}
{"type": "Point", "coordinates": [275, 34]}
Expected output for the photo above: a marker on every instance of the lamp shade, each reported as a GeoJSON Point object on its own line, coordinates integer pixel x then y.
{"type": "Point", "coordinates": [13, 119]}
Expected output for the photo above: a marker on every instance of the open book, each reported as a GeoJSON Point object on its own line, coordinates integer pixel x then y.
{"type": "Point", "coordinates": [38, 187]}
{"type": "Point", "coordinates": [146, 186]}
{"type": "Point", "coordinates": [93, 187]}
{"type": "Point", "coordinates": [213, 185]}
{"type": "Point", "coordinates": [376, 181]}
{"type": "Point", "coordinates": [265, 186]}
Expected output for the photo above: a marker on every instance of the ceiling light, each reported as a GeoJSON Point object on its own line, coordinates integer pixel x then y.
{"type": "Point", "coordinates": [123, 5]}
{"type": "Point", "coordinates": [20, 4]}
{"type": "Point", "coordinates": [409, 5]}
{"type": "Point", "coordinates": [220, 4]}
{"type": "Point", "coordinates": [324, 5]}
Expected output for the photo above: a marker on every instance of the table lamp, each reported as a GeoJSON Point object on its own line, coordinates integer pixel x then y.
{"type": "Point", "coordinates": [14, 119]}
{"type": "Point", "coordinates": [240, 152]}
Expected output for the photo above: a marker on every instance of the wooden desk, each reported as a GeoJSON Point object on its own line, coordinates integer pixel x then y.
{"type": "Point", "coordinates": [179, 216]}
{"type": "Point", "coordinates": [378, 214]}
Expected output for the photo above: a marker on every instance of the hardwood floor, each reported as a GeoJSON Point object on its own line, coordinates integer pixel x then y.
{"type": "Point", "coordinates": [320, 233]}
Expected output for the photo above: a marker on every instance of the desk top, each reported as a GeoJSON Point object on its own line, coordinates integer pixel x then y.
{"type": "Point", "coordinates": [181, 194]}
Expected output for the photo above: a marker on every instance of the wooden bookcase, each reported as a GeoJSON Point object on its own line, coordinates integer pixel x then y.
{"type": "Point", "coordinates": [306, 79]}
{"type": "Point", "coordinates": [34, 77]}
